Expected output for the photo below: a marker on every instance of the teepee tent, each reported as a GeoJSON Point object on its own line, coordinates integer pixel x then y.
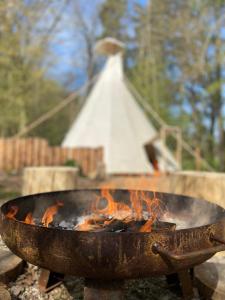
{"type": "Point", "coordinates": [111, 118]}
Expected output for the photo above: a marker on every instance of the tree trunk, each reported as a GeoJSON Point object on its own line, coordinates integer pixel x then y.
{"type": "Point", "coordinates": [221, 143]}
{"type": "Point", "coordinates": [47, 179]}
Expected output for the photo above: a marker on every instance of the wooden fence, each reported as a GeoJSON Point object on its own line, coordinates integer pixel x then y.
{"type": "Point", "coordinates": [18, 153]}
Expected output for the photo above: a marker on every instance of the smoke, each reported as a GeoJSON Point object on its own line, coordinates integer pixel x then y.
{"type": "Point", "coordinates": [193, 213]}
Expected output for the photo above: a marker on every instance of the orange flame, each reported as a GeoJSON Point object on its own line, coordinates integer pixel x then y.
{"type": "Point", "coordinates": [140, 202]}
{"type": "Point", "coordinates": [154, 208]}
{"type": "Point", "coordinates": [113, 207]}
{"type": "Point", "coordinates": [87, 225]}
{"type": "Point", "coordinates": [12, 212]}
{"type": "Point", "coordinates": [136, 202]}
{"type": "Point", "coordinates": [147, 227]}
{"type": "Point", "coordinates": [29, 219]}
{"type": "Point", "coordinates": [50, 212]}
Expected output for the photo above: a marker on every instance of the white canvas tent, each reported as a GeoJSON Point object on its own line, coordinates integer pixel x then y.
{"type": "Point", "coordinates": [111, 118]}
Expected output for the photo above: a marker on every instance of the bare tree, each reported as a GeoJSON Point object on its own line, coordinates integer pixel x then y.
{"type": "Point", "coordinates": [86, 27]}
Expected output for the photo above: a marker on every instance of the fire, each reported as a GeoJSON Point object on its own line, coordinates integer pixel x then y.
{"type": "Point", "coordinates": [12, 212]}
{"type": "Point", "coordinates": [141, 207]}
{"type": "Point", "coordinates": [113, 207]}
{"type": "Point", "coordinates": [88, 223]}
{"type": "Point", "coordinates": [50, 212]}
{"type": "Point", "coordinates": [46, 219]}
{"type": "Point", "coordinates": [29, 219]}
{"type": "Point", "coordinates": [136, 202]}
{"type": "Point", "coordinates": [141, 204]}
{"type": "Point", "coordinates": [155, 209]}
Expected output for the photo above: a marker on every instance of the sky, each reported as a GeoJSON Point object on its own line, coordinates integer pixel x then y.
{"type": "Point", "coordinates": [69, 59]}
{"type": "Point", "coordinates": [68, 46]}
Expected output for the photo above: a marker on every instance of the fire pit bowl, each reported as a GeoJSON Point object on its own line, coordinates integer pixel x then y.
{"type": "Point", "coordinates": [113, 255]}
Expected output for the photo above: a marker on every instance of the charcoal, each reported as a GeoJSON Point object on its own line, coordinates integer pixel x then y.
{"type": "Point", "coordinates": [88, 227]}
{"type": "Point", "coordinates": [116, 225]}
{"type": "Point", "coordinates": [133, 225]}
{"type": "Point", "coordinates": [53, 225]}
{"type": "Point", "coordinates": [161, 225]}
{"type": "Point", "coordinates": [105, 223]}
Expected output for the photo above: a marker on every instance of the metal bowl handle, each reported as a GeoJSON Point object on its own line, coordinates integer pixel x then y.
{"type": "Point", "coordinates": [158, 248]}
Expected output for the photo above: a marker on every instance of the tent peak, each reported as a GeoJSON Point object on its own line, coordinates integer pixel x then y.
{"type": "Point", "coordinates": [109, 46]}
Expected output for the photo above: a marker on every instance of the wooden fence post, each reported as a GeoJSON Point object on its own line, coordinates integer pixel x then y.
{"type": "Point", "coordinates": [18, 153]}
{"type": "Point", "coordinates": [197, 159]}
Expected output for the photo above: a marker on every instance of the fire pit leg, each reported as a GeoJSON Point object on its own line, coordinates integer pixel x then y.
{"type": "Point", "coordinates": [49, 280]}
{"type": "Point", "coordinates": [186, 284]}
{"type": "Point", "coordinates": [103, 290]}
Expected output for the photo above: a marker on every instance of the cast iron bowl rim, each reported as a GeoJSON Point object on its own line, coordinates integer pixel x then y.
{"type": "Point", "coordinates": [102, 233]}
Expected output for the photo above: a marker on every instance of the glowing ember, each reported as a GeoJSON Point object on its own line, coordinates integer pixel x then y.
{"type": "Point", "coordinates": [12, 212]}
{"type": "Point", "coordinates": [50, 213]}
{"type": "Point", "coordinates": [29, 219]}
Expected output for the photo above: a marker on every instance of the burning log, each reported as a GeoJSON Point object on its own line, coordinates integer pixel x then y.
{"type": "Point", "coordinates": [116, 225]}
{"type": "Point", "coordinates": [96, 224]}
{"type": "Point", "coordinates": [161, 225]}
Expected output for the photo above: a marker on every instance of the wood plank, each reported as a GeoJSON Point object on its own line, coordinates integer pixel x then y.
{"type": "Point", "coordinates": [11, 146]}
{"type": "Point", "coordinates": [36, 152]}
{"type": "Point", "coordinates": [44, 152]}
{"type": "Point", "coordinates": [29, 155]}
{"type": "Point", "coordinates": [57, 156]}
{"type": "Point", "coordinates": [6, 155]}
{"type": "Point", "coordinates": [11, 266]}
{"type": "Point", "coordinates": [85, 161]}
{"type": "Point", "coordinates": [48, 158]}
{"type": "Point", "coordinates": [88, 161]}
{"type": "Point", "coordinates": [53, 156]}
{"type": "Point", "coordinates": [80, 159]}
{"type": "Point", "coordinates": [65, 155]}
{"type": "Point", "coordinates": [17, 155]}
{"type": "Point", "coordinates": [43, 146]}
{"type": "Point", "coordinates": [23, 144]}
{"type": "Point", "coordinates": [2, 146]}
{"type": "Point", "coordinates": [70, 153]}
{"type": "Point", "coordinates": [92, 161]}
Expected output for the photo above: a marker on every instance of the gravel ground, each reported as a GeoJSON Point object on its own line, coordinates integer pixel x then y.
{"type": "Point", "coordinates": [2, 245]}
{"type": "Point", "coordinates": [26, 288]}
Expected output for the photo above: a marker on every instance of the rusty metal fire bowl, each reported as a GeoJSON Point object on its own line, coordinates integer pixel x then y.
{"type": "Point", "coordinates": [114, 255]}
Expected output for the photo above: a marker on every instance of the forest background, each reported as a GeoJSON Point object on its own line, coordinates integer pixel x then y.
{"type": "Point", "coordinates": [175, 58]}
